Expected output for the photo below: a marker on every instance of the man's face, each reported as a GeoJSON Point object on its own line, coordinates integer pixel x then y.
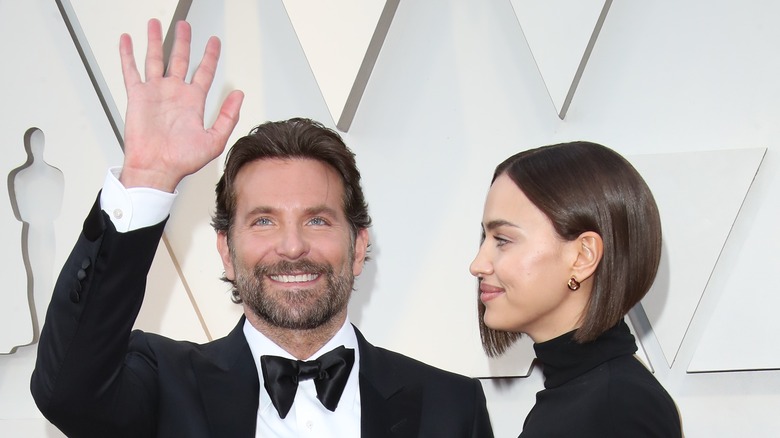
{"type": "Point", "coordinates": [291, 253]}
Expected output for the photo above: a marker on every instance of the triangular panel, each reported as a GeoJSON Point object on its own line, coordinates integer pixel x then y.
{"type": "Point", "coordinates": [168, 308]}
{"type": "Point", "coordinates": [561, 35]}
{"type": "Point", "coordinates": [341, 40]}
{"type": "Point", "coordinates": [698, 208]}
{"type": "Point", "coordinates": [95, 23]}
{"type": "Point", "coordinates": [740, 333]}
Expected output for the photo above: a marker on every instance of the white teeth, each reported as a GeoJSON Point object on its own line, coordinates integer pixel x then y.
{"type": "Point", "coordinates": [300, 278]}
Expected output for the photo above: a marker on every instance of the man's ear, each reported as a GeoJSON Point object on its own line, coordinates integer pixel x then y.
{"type": "Point", "coordinates": [361, 249]}
{"type": "Point", "coordinates": [224, 254]}
{"type": "Point", "coordinates": [590, 249]}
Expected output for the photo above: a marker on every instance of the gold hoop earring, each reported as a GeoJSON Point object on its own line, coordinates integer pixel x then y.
{"type": "Point", "coordinates": [573, 284]}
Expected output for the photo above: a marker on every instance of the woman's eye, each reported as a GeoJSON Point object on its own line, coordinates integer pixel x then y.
{"type": "Point", "coordinates": [500, 241]}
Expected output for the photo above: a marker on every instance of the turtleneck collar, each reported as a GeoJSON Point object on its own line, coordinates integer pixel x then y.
{"type": "Point", "coordinates": [564, 359]}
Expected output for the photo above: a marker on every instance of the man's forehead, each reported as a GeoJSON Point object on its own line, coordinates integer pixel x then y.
{"type": "Point", "coordinates": [301, 182]}
{"type": "Point", "coordinates": [287, 165]}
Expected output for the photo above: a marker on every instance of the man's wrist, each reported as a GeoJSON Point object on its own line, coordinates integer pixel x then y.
{"type": "Point", "coordinates": [135, 207]}
{"type": "Point", "coordinates": [133, 178]}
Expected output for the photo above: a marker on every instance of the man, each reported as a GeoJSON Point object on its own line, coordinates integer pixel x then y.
{"type": "Point", "coordinates": [291, 227]}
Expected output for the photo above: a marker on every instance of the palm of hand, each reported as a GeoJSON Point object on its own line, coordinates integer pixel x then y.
{"type": "Point", "coordinates": [165, 137]}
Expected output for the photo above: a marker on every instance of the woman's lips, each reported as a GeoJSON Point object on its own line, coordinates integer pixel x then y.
{"type": "Point", "coordinates": [488, 292]}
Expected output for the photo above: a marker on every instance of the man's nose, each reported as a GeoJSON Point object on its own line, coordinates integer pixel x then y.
{"type": "Point", "coordinates": [293, 243]}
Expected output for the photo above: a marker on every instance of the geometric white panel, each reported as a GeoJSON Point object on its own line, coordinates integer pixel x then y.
{"type": "Point", "coordinates": [29, 428]}
{"type": "Point", "coordinates": [699, 195]}
{"type": "Point", "coordinates": [517, 361]}
{"type": "Point", "coordinates": [561, 35]}
{"type": "Point", "coordinates": [741, 331]}
{"type": "Point", "coordinates": [442, 299]}
{"type": "Point", "coordinates": [44, 86]}
{"type": "Point", "coordinates": [168, 308]}
{"type": "Point", "coordinates": [341, 40]}
{"type": "Point", "coordinates": [96, 24]}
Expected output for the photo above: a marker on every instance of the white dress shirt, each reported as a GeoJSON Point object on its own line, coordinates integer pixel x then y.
{"type": "Point", "coordinates": [308, 417]}
{"type": "Point", "coordinates": [139, 207]}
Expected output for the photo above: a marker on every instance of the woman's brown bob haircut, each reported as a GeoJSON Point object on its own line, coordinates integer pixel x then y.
{"type": "Point", "coordinates": [582, 186]}
{"type": "Point", "coordinates": [296, 138]}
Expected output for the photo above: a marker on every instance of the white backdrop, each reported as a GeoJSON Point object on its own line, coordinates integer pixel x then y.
{"type": "Point", "coordinates": [685, 89]}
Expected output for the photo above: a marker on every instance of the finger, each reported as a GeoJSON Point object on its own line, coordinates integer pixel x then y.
{"type": "Point", "coordinates": [180, 54]}
{"type": "Point", "coordinates": [228, 116]}
{"type": "Point", "coordinates": [129, 69]}
{"type": "Point", "coordinates": [154, 51]}
{"type": "Point", "coordinates": [204, 74]}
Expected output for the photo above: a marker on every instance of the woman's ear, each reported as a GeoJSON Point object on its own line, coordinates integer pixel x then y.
{"type": "Point", "coordinates": [590, 249]}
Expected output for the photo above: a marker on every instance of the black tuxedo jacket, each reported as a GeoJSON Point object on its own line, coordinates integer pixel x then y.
{"type": "Point", "coordinates": [94, 377]}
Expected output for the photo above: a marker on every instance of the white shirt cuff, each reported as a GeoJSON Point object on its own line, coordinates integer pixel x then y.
{"type": "Point", "coordinates": [136, 207]}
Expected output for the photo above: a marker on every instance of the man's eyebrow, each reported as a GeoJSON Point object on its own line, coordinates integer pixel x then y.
{"type": "Point", "coordinates": [260, 210]}
{"type": "Point", "coordinates": [321, 209]}
{"type": "Point", "coordinates": [317, 209]}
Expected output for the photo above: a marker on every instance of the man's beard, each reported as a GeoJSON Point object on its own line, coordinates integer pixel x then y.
{"type": "Point", "coordinates": [296, 309]}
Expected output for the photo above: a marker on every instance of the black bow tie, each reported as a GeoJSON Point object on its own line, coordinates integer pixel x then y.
{"type": "Point", "coordinates": [329, 371]}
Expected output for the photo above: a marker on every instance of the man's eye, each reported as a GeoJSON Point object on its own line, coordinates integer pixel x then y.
{"type": "Point", "coordinates": [317, 221]}
{"type": "Point", "coordinates": [263, 221]}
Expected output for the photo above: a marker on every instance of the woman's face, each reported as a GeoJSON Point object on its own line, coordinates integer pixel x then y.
{"type": "Point", "coordinates": [523, 266]}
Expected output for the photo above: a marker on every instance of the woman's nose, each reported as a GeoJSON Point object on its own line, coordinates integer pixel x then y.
{"type": "Point", "coordinates": [480, 266]}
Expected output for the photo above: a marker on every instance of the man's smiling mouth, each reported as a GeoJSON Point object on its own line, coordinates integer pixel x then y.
{"type": "Point", "coordinates": [297, 278]}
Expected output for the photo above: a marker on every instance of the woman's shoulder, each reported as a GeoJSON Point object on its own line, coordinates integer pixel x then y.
{"type": "Point", "coordinates": [638, 401]}
{"type": "Point", "coordinates": [629, 374]}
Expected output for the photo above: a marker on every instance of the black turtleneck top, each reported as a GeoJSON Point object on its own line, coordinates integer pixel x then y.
{"type": "Point", "coordinates": [599, 389]}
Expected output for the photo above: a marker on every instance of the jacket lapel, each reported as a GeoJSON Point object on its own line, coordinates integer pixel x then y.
{"type": "Point", "coordinates": [228, 383]}
{"type": "Point", "coordinates": [390, 408]}
{"type": "Point", "coordinates": [229, 389]}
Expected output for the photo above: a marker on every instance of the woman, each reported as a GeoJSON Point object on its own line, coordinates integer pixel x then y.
{"type": "Point", "coordinates": [571, 241]}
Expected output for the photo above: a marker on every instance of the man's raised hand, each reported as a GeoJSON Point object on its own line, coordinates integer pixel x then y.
{"type": "Point", "coordinates": [165, 138]}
